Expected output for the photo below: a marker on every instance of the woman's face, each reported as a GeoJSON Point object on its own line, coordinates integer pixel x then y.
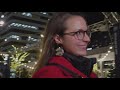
{"type": "Point", "coordinates": [74, 44]}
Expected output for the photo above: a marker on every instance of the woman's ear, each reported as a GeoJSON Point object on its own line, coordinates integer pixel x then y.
{"type": "Point", "coordinates": [58, 39]}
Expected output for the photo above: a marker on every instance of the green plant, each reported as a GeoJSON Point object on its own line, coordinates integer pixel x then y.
{"type": "Point", "coordinates": [17, 57]}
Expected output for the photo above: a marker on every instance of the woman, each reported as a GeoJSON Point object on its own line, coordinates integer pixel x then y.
{"type": "Point", "coordinates": [64, 47]}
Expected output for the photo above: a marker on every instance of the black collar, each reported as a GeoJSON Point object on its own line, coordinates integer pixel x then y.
{"type": "Point", "coordinates": [83, 64]}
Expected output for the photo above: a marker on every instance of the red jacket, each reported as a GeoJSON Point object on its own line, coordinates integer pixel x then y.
{"type": "Point", "coordinates": [52, 71]}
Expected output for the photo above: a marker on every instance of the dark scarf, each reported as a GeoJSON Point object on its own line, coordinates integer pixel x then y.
{"type": "Point", "coordinates": [83, 64]}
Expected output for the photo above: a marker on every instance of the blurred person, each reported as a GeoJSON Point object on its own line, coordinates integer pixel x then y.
{"type": "Point", "coordinates": [1, 73]}
{"type": "Point", "coordinates": [64, 48]}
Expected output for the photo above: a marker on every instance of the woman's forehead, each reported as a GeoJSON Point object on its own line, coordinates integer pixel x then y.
{"type": "Point", "coordinates": [76, 23]}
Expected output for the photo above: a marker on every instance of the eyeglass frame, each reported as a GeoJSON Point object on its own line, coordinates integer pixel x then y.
{"type": "Point", "coordinates": [77, 33]}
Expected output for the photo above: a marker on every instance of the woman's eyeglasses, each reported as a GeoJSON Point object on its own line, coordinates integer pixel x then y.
{"type": "Point", "coordinates": [79, 34]}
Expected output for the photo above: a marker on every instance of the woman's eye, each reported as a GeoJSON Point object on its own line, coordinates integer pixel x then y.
{"type": "Point", "coordinates": [78, 32]}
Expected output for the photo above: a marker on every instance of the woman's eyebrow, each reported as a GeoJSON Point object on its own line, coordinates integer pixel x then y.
{"type": "Point", "coordinates": [82, 29]}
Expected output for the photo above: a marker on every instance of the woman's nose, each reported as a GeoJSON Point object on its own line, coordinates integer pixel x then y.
{"type": "Point", "coordinates": [86, 38]}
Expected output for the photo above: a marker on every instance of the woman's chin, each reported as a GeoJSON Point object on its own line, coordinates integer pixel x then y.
{"type": "Point", "coordinates": [81, 54]}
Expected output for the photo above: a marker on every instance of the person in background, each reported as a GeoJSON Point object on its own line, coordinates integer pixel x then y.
{"type": "Point", "coordinates": [64, 48]}
{"type": "Point", "coordinates": [1, 73]}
